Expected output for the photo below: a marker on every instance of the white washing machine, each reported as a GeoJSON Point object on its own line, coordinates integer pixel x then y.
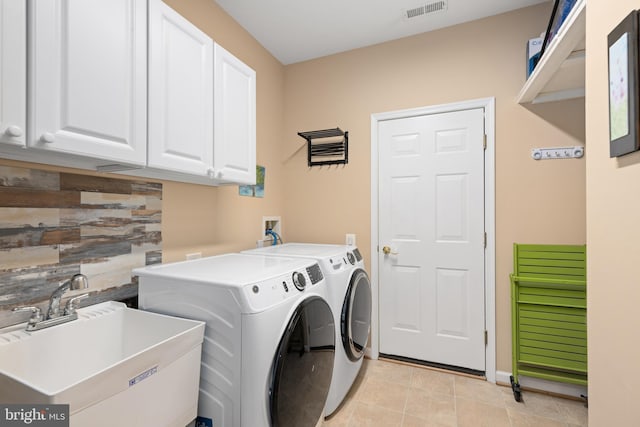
{"type": "Point", "coordinates": [350, 296]}
{"type": "Point", "coordinates": [269, 344]}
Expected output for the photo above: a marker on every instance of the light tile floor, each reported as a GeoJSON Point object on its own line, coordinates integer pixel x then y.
{"type": "Point", "coordinates": [392, 394]}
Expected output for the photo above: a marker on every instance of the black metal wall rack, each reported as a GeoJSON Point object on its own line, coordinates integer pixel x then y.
{"type": "Point", "coordinates": [335, 152]}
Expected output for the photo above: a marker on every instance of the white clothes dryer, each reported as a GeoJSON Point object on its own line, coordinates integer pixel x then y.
{"type": "Point", "coordinates": [350, 296]}
{"type": "Point", "coordinates": [268, 350]}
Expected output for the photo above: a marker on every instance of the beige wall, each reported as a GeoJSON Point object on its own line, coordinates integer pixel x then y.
{"type": "Point", "coordinates": [613, 209]}
{"type": "Point", "coordinates": [537, 202]}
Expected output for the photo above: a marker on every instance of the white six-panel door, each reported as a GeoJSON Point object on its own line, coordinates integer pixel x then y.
{"type": "Point", "coordinates": [13, 71]}
{"type": "Point", "coordinates": [88, 78]}
{"type": "Point", "coordinates": [234, 156]}
{"type": "Point", "coordinates": [431, 219]}
{"type": "Point", "coordinates": [180, 93]}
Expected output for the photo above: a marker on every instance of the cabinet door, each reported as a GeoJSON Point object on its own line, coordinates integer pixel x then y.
{"type": "Point", "coordinates": [88, 78]}
{"type": "Point", "coordinates": [180, 93]}
{"type": "Point", "coordinates": [13, 71]}
{"type": "Point", "coordinates": [234, 152]}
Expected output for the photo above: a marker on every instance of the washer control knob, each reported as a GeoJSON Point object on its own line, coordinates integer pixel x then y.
{"type": "Point", "coordinates": [351, 258]}
{"type": "Point", "coordinates": [299, 281]}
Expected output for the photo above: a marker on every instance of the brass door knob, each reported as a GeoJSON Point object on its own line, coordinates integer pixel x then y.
{"type": "Point", "coordinates": [387, 251]}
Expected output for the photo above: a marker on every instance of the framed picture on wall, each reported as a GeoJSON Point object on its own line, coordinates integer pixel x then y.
{"type": "Point", "coordinates": [623, 87]}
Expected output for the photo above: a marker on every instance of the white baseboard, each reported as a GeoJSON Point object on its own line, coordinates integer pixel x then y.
{"type": "Point", "coordinates": [531, 383]}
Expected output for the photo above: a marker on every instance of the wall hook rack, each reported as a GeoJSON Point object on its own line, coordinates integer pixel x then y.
{"type": "Point", "coordinates": [575, 152]}
{"type": "Point", "coordinates": [335, 151]}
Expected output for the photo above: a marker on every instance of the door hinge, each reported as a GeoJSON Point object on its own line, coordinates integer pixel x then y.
{"type": "Point", "coordinates": [486, 337]}
{"type": "Point", "coordinates": [484, 142]}
{"type": "Point", "coordinates": [485, 240]}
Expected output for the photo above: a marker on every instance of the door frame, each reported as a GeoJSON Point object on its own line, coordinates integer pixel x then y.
{"type": "Point", "coordinates": [489, 219]}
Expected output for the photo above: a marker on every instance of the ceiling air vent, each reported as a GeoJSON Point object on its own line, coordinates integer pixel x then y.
{"type": "Point", "coordinates": [437, 6]}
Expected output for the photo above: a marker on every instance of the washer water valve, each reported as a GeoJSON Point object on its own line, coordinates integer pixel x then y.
{"type": "Point", "coordinates": [574, 152]}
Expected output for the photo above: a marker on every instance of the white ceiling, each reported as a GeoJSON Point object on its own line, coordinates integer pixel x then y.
{"type": "Point", "coordinates": [298, 30]}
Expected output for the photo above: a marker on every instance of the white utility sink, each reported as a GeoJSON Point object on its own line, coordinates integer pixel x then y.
{"type": "Point", "coordinates": [113, 366]}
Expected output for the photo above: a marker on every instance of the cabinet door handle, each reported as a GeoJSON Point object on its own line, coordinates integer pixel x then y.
{"type": "Point", "coordinates": [214, 174]}
{"type": "Point", "coordinates": [47, 137]}
{"type": "Point", "coordinates": [14, 131]}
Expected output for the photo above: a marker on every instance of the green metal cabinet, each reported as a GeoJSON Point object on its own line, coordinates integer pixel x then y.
{"type": "Point", "coordinates": [549, 313]}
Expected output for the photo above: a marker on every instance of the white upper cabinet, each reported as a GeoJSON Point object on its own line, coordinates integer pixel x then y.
{"type": "Point", "coordinates": [77, 94]}
{"type": "Point", "coordinates": [180, 93]}
{"type": "Point", "coordinates": [234, 155]}
{"type": "Point", "coordinates": [88, 78]}
{"type": "Point", "coordinates": [202, 106]}
{"type": "Point", "coordinates": [13, 71]}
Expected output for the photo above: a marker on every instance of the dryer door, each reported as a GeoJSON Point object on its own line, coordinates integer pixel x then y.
{"type": "Point", "coordinates": [356, 315]}
{"type": "Point", "coordinates": [302, 367]}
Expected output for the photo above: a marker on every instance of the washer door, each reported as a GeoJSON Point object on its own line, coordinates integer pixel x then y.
{"type": "Point", "coordinates": [302, 367]}
{"type": "Point", "coordinates": [356, 315]}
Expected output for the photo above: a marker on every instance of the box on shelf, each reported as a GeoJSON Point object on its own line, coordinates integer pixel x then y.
{"type": "Point", "coordinates": [534, 46]}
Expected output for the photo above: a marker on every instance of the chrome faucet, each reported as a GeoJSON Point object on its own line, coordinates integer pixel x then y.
{"type": "Point", "coordinates": [78, 281]}
{"type": "Point", "coordinates": [54, 317]}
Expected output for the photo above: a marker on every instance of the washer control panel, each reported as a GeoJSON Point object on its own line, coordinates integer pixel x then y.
{"type": "Point", "coordinates": [351, 258]}
{"type": "Point", "coordinates": [357, 254]}
{"type": "Point", "coordinates": [298, 280]}
{"type": "Point", "coordinates": [268, 293]}
{"type": "Point", "coordinates": [336, 263]}
{"type": "Point", "coordinates": [315, 274]}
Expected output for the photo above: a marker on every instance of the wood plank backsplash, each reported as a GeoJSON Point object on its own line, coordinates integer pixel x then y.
{"type": "Point", "coordinates": [54, 225]}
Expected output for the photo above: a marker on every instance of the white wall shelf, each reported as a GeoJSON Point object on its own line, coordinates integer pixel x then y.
{"type": "Point", "coordinates": [560, 73]}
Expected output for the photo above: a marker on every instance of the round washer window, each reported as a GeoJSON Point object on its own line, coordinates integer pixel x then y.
{"type": "Point", "coordinates": [356, 315]}
{"type": "Point", "coordinates": [302, 366]}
